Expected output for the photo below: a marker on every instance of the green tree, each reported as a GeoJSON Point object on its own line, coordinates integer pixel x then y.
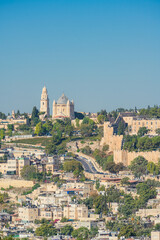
{"type": "Point", "coordinates": [2, 116]}
{"type": "Point", "coordinates": [28, 172]}
{"type": "Point", "coordinates": [105, 147]}
{"type": "Point", "coordinates": [64, 219]}
{"type": "Point", "coordinates": [81, 233]}
{"type": "Point", "coordinates": [24, 127]}
{"type": "Point", "coordinates": [40, 129]}
{"type": "Point", "coordinates": [93, 232]}
{"type": "Point", "coordinates": [86, 150]}
{"type": "Point", "coordinates": [125, 181]}
{"type": "Point", "coordinates": [142, 131]}
{"type": "Point", "coordinates": [146, 190]}
{"type": "Point", "coordinates": [100, 204]}
{"type": "Point", "coordinates": [77, 122]}
{"type": "Point", "coordinates": [127, 231]}
{"type": "Point", "coordinates": [101, 118]}
{"type": "Point", "coordinates": [127, 205]}
{"type": "Point", "coordinates": [89, 202]}
{"type": "Point", "coordinates": [97, 184]}
{"type": "Point", "coordinates": [86, 120]}
{"type": "Point", "coordinates": [121, 128]}
{"type": "Point", "coordinates": [73, 166]}
{"type": "Point", "coordinates": [103, 112]}
{"type": "Point", "coordinates": [2, 134]}
{"type": "Point", "coordinates": [139, 166]}
{"type": "Point", "coordinates": [68, 131]}
{"type": "Point", "coordinates": [35, 116]}
{"type": "Point", "coordinates": [102, 159]}
{"type": "Point", "coordinates": [46, 230]}
{"type": "Point", "coordinates": [114, 168]}
{"type": "Point", "coordinates": [153, 168]}
{"type": "Point", "coordinates": [10, 127]}
{"type": "Point", "coordinates": [113, 194]}
{"type": "Point", "coordinates": [78, 115]}
{"type": "Point", "coordinates": [158, 131]}
{"type": "Point", "coordinates": [48, 126]}
{"type": "Point", "coordinates": [157, 227]}
{"type": "Point", "coordinates": [50, 148]}
{"type": "Point", "coordinates": [86, 130]}
{"type": "Point", "coordinates": [130, 143]}
{"type": "Point", "coordinates": [101, 188]}
{"type": "Point", "coordinates": [3, 197]}
{"type": "Point", "coordinates": [10, 133]}
{"type": "Point", "coordinates": [67, 230]}
{"type": "Point", "coordinates": [88, 127]}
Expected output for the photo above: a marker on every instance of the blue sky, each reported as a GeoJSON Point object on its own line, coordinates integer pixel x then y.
{"type": "Point", "coordinates": [104, 54]}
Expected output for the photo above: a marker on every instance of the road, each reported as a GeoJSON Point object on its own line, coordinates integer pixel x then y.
{"type": "Point", "coordinates": [88, 166]}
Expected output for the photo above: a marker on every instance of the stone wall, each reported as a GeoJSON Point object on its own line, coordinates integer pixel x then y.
{"type": "Point", "coordinates": [148, 212]}
{"type": "Point", "coordinates": [126, 157]}
{"type": "Point", "coordinates": [114, 141]}
{"type": "Point", "coordinates": [5, 183]}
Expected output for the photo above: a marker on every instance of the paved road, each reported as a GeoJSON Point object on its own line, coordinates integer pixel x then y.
{"type": "Point", "coordinates": [88, 166]}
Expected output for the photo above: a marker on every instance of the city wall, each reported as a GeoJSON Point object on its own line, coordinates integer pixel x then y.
{"type": "Point", "coordinates": [5, 183]}
{"type": "Point", "coordinates": [126, 157]}
{"type": "Point", "coordinates": [114, 141]}
{"type": "Point", "coordinates": [123, 156]}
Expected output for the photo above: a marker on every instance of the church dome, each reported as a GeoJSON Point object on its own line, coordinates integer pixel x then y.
{"type": "Point", "coordinates": [62, 100]}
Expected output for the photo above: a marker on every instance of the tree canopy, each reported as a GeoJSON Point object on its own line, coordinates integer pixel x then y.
{"type": "Point", "coordinates": [35, 116]}
{"type": "Point", "coordinates": [29, 172]}
{"type": "Point", "coordinates": [136, 143]}
{"type": "Point", "coordinates": [73, 166]}
{"type": "Point", "coordinates": [142, 131]}
{"type": "Point", "coordinates": [46, 230]}
{"type": "Point", "coordinates": [139, 166]}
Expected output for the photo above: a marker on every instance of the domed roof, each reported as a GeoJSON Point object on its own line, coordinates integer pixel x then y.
{"type": "Point", "coordinates": [62, 100]}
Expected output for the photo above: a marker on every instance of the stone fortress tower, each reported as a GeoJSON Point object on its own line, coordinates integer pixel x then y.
{"type": "Point", "coordinates": [44, 103]}
{"type": "Point", "coordinates": [63, 108]}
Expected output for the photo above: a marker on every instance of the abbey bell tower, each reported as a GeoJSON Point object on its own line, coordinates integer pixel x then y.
{"type": "Point", "coordinates": [44, 103]}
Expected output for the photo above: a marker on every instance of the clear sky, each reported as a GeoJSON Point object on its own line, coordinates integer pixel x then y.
{"type": "Point", "coordinates": [103, 54]}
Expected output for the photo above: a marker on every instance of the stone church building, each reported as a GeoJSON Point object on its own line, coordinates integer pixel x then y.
{"type": "Point", "coordinates": [63, 108]}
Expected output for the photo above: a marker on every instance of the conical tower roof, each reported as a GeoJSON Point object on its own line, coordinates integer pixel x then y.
{"type": "Point", "coordinates": [44, 90]}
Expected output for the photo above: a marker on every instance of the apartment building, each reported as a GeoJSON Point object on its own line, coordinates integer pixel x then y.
{"type": "Point", "coordinates": [57, 213]}
{"type": "Point", "coordinates": [14, 166]}
{"type": "Point", "coordinates": [46, 213]}
{"type": "Point", "coordinates": [75, 212]}
{"type": "Point", "coordinates": [155, 235]}
{"type": "Point", "coordinates": [136, 122]}
{"type": "Point", "coordinates": [16, 122]}
{"type": "Point", "coordinates": [28, 214]}
{"type": "Point", "coordinates": [57, 198]}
